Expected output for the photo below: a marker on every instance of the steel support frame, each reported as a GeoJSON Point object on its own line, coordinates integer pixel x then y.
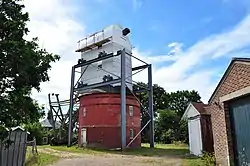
{"type": "Point", "coordinates": [71, 105]}
{"type": "Point", "coordinates": [121, 80]}
{"type": "Point", "coordinates": [55, 110]}
{"type": "Point", "coordinates": [150, 104]}
{"type": "Point", "coordinates": [123, 101]}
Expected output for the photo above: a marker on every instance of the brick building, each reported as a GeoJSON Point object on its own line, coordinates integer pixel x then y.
{"type": "Point", "coordinates": [229, 107]}
{"type": "Point", "coordinates": [100, 121]}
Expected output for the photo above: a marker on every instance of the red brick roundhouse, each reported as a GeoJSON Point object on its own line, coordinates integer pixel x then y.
{"type": "Point", "coordinates": [229, 107]}
{"type": "Point", "coordinates": [100, 121]}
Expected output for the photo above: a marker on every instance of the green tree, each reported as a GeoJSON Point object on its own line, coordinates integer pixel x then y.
{"type": "Point", "coordinates": [168, 110]}
{"type": "Point", "coordinates": [23, 66]}
{"type": "Point", "coordinates": [177, 102]}
{"type": "Point", "coordinates": [36, 130]}
{"type": "Point", "coordinates": [164, 126]}
{"type": "Point", "coordinates": [159, 102]}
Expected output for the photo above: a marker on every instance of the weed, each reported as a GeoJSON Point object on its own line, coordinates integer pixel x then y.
{"type": "Point", "coordinates": [208, 158]}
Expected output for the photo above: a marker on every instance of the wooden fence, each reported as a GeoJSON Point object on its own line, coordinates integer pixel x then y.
{"type": "Point", "coordinates": [14, 155]}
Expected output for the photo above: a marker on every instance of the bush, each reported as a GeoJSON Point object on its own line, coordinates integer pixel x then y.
{"type": "Point", "coordinates": [36, 130]}
{"type": "Point", "coordinates": [208, 158]}
{"type": "Point", "coordinates": [168, 136]}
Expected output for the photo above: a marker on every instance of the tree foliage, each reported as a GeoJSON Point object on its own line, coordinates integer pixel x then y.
{"type": "Point", "coordinates": [168, 110]}
{"type": "Point", "coordinates": [23, 66]}
{"type": "Point", "coordinates": [159, 102]}
{"type": "Point", "coordinates": [179, 100]}
{"type": "Point", "coordinates": [36, 131]}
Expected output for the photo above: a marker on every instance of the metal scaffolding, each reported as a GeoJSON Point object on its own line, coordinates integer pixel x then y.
{"type": "Point", "coordinates": [122, 80]}
{"type": "Point", "coordinates": [60, 120]}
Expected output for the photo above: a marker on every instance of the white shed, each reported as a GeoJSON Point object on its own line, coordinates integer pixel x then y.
{"type": "Point", "coordinates": [199, 128]}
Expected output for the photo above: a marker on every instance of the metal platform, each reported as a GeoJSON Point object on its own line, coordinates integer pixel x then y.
{"type": "Point", "coordinates": [92, 46]}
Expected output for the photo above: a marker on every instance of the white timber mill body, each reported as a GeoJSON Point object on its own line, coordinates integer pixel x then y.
{"type": "Point", "coordinates": [109, 40]}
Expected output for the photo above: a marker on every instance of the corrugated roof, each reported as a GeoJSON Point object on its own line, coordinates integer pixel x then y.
{"type": "Point", "coordinates": [47, 123]}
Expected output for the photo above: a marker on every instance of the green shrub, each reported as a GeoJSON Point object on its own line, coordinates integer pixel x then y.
{"type": "Point", "coordinates": [36, 130]}
{"type": "Point", "coordinates": [40, 159]}
{"type": "Point", "coordinates": [208, 158]}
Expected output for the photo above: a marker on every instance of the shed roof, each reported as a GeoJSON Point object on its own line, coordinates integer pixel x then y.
{"type": "Point", "coordinates": [200, 107]}
{"type": "Point", "coordinates": [47, 123]}
{"type": "Point", "coordinates": [233, 61]}
{"type": "Point", "coordinates": [17, 128]}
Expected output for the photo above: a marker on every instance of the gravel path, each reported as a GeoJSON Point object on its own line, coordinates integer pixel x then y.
{"type": "Point", "coordinates": [75, 159]}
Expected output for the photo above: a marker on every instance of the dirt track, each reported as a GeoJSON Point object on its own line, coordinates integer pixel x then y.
{"type": "Point", "coordinates": [75, 159]}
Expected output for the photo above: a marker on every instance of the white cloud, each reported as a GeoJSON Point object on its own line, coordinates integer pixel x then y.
{"type": "Point", "coordinates": [145, 56]}
{"type": "Point", "coordinates": [186, 71]}
{"type": "Point", "coordinates": [176, 48]}
{"type": "Point", "coordinates": [52, 21]}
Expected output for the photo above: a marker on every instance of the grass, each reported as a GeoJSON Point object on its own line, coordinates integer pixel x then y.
{"type": "Point", "coordinates": [193, 162]}
{"type": "Point", "coordinates": [40, 159]}
{"type": "Point", "coordinates": [160, 150]}
{"type": "Point", "coordinates": [73, 149]}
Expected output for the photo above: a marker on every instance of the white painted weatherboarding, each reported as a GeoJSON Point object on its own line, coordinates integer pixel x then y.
{"type": "Point", "coordinates": [194, 130]}
{"type": "Point", "coordinates": [112, 40]}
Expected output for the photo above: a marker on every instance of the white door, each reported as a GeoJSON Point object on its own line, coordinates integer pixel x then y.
{"type": "Point", "coordinates": [84, 134]}
{"type": "Point", "coordinates": [195, 142]}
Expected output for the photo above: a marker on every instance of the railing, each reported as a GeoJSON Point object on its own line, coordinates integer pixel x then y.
{"type": "Point", "coordinates": [33, 145]}
{"type": "Point", "coordinates": [96, 39]}
{"type": "Point", "coordinates": [31, 156]}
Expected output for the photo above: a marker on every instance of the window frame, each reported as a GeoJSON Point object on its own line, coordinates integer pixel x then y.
{"type": "Point", "coordinates": [131, 110]}
{"type": "Point", "coordinates": [131, 133]}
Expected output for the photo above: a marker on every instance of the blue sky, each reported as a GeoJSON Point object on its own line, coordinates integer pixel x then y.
{"type": "Point", "coordinates": [154, 24]}
{"type": "Point", "coordinates": [190, 43]}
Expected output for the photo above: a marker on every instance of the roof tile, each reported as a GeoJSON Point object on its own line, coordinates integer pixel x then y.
{"type": "Point", "coordinates": [200, 107]}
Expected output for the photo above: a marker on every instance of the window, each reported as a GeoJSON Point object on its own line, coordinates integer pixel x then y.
{"type": "Point", "coordinates": [84, 112]}
{"type": "Point", "coordinates": [131, 110]}
{"type": "Point", "coordinates": [131, 133]}
{"type": "Point", "coordinates": [45, 140]}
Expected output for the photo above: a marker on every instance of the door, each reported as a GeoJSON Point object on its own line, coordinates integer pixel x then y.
{"type": "Point", "coordinates": [84, 135]}
{"type": "Point", "coordinates": [240, 118]}
{"type": "Point", "coordinates": [195, 142]}
{"type": "Point", "coordinates": [207, 134]}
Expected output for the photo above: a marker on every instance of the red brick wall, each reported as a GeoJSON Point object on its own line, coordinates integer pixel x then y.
{"type": "Point", "coordinates": [238, 78]}
{"type": "Point", "coordinates": [110, 137]}
{"type": "Point", "coordinates": [103, 118]}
